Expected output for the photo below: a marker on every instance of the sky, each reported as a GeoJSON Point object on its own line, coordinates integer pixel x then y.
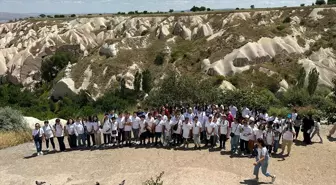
{"type": "Point", "coordinates": [112, 6]}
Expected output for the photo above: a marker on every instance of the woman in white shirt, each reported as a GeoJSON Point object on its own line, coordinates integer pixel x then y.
{"type": "Point", "coordinates": [80, 132]}
{"type": "Point", "coordinates": [143, 131]}
{"type": "Point", "coordinates": [49, 135]}
{"type": "Point", "coordinates": [223, 131]}
{"type": "Point", "coordinates": [287, 138]}
{"type": "Point", "coordinates": [245, 131]}
{"type": "Point", "coordinates": [177, 131]}
{"type": "Point", "coordinates": [210, 132]}
{"type": "Point", "coordinates": [38, 137]}
{"type": "Point", "coordinates": [114, 131]}
{"type": "Point", "coordinates": [317, 127]}
{"type": "Point", "coordinates": [135, 127]}
{"type": "Point", "coordinates": [277, 130]}
{"type": "Point", "coordinates": [59, 132]}
{"type": "Point", "coordinates": [235, 134]}
{"type": "Point", "coordinates": [196, 130]}
{"type": "Point", "coordinates": [89, 132]}
{"type": "Point", "coordinates": [107, 131]}
{"type": "Point", "coordinates": [186, 132]}
{"type": "Point", "coordinates": [262, 161]}
{"type": "Point", "coordinates": [96, 130]}
{"type": "Point", "coordinates": [269, 135]}
{"type": "Point", "coordinates": [70, 128]}
{"type": "Point", "coordinates": [158, 126]}
{"type": "Point", "coordinates": [128, 129]}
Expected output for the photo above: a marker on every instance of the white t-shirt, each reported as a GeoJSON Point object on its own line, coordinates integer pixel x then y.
{"type": "Point", "coordinates": [263, 152]}
{"type": "Point", "coordinates": [317, 125]}
{"type": "Point", "coordinates": [79, 128]}
{"type": "Point", "coordinates": [277, 132]}
{"type": "Point", "coordinates": [158, 125]}
{"type": "Point", "coordinates": [196, 126]}
{"type": "Point", "coordinates": [224, 124]}
{"type": "Point", "coordinates": [38, 131]}
{"type": "Point", "coordinates": [233, 110]}
{"type": "Point", "coordinates": [135, 122]}
{"type": "Point", "coordinates": [71, 129]}
{"type": "Point", "coordinates": [269, 137]}
{"type": "Point", "coordinates": [259, 134]}
{"type": "Point", "coordinates": [59, 130]}
{"type": "Point", "coordinates": [235, 128]}
{"type": "Point", "coordinates": [107, 126]}
{"type": "Point", "coordinates": [48, 131]}
{"type": "Point", "coordinates": [186, 130]}
{"type": "Point", "coordinates": [142, 124]}
{"type": "Point", "coordinates": [246, 131]}
{"type": "Point", "coordinates": [128, 127]}
{"type": "Point", "coordinates": [114, 127]}
{"type": "Point", "coordinates": [179, 127]}
{"type": "Point", "coordinates": [168, 124]}
{"type": "Point", "coordinates": [252, 136]}
{"type": "Point", "coordinates": [245, 112]}
{"type": "Point", "coordinates": [210, 128]}
{"type": "Point", "coordinates": [89, 126]}
{"type": "Point", "coordinates": [150, 122]}
{"type": "Point", "coordinates": [288, 135]}
{"type": "Point", "coordinates": [121, 122]}
{"type": "Point", "coordinates": [95, 125]}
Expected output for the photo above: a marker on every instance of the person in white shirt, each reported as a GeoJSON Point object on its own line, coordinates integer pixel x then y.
{"type": "Point", "coordinates": [252, 139]}
{"type": "Point", "coordinates": [246, 112]}
{"type": "Point", "coordinates": [135, 127]}
{"type": "Point", "coordinates": [235, 134]}
{"type": "Point", "coordinates": [262, 161]}
{"type": "Point", "coordinates": [269, 135]}
{"type": "Point", "coordinates": [150, 121]}
{"type": "Point", "coordinates": [167, 131]}
{"type": "Point", "coordinates": [196, 130]}
{"type": "Point", "coordinates": [223, 131]}
{"type": "Point", "coordinates": [287, 138]}
{"type": "Point", "coordinates": [158, 127]}
{"type": "Point", "coordinates": [114, 131]}
{"type": "Point", "coordinates": [107, 130]}
{"type": "Point", "coordinates": [80, 132]}
{"type": "Point", "coordinates": [186, 132]}
{"type": "Point", "coordinates": [245, 131]}
{"type": "Point", "coordinates": [128, 129]}
{"type": "Point", "coordinates": [210, 132]}
{"type": "Point", "coordinates": [38, 137]}
{"type": "Point", "coordinates": [89, 131]}
{"type": "Point", "coordinates": [277, 130]}
{"type": "Point", "coordinates": [317, 127]}
{"type": "Point", "coordinates": [233, 109]}
{"type": "Point", "coordinates": [97, 130]}
{"type": "Point", "coordinates": [49, 135]}
{"type": "Point", "coordinates": [59, 133]}
{"type": "Point", "coordinates": [70, 130]}
{"type": "Point", "coordinates": [177, 130]}
{"type": "Point", "coordinates": [143, 131]}
{"type": "Point", "coordinates": [121, 125]}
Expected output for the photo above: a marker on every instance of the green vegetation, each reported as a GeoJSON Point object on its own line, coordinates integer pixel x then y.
{"type": "Point", "coordinates": [157, 180]}
{"type": "Point", "coordinates": [199, 9]}
{"type": "Point", "coordinates": [320, 2]}
{"type": "Point", "coordinates": [331, 2]}
{"type": "Point", "coordinates": [11, 120]}
{"type": "Point", "coordinates": [312, 81]}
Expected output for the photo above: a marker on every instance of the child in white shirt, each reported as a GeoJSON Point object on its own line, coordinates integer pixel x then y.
{"type": "Point", "coordinates": [269, 137]}
{"type": "Point", "coordinates": [186, 132]}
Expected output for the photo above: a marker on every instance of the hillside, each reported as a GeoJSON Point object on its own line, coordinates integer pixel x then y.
{"type": "Point", "coordinates": [243, 46]}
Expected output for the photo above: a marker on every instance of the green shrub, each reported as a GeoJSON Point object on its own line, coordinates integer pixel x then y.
{"type": "Point", "coordinates": [282, 112]}
{"type": "Point", "coordinates": [295, 97]}
{"type": "Point", "coordinates": [159, 60]}
{"type": "Point", "coordinates": [11, 120]}
{"type": "Point", "coordinates": [157, 180]}
{"type": "Point", "coordinates": [287, 20]}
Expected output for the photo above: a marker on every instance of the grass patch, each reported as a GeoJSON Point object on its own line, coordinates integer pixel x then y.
{"type": "Point", "coordinates": [12, 138]}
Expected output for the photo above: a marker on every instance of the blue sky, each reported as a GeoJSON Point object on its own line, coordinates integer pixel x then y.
{"type": "Point", "coordinates": [110, 6]}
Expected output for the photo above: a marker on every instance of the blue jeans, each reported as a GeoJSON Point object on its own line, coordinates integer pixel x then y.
{"type": "Point", "coordinates": [234, 143]}
{"type": "Point", "coordinates": [38, 144]}
{"type": "Point", "coordinates": [263, 166]}
{"type": "Point", "coordinates": [276, 146]}
{"type": "Point", "coordinates": [81, 139]}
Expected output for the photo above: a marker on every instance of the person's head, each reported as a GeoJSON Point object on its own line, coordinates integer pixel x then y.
{"type": "Point", "coordinates": [196, 118]}
{"type": "Point", "coordinates": [57, 121]}
{"type": "Point", "coordinates": [78, 119]}
{"type": "Point", "coordinates": [223, 116]}
{"type": "Point", "coordinates": [70, 121]}
{"type": "Point", "coordinates": [295, 111]}
{"type": "Point", "coordinates": [95, 118]}
{"type": "Point", "coordinates": [150, 115]}
{"type": "Point", "coordinates": [134, 114]}
{"type": "Point", "coordinates": [159, 117]}
{"type": "Point", "coordinates": [318, 119]}
{"type": "Point", "coordinates": [186, 120]}
{"type": "Point", "coordinates": [37, 125]}
{"type": "Point", "coordinates": [210, 118]}
{"type": "Point", "coordinates": [142, 117]}
{"type": "Point", "coordinates": [261, 143]}
{"type": "Point", "coordinates": [46, 123]}
{"type": "Point", "coordinates": [113, 118]}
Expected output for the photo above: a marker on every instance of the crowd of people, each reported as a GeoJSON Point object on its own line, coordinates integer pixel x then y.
{"type": "Point", "coordinates": [251, 133]}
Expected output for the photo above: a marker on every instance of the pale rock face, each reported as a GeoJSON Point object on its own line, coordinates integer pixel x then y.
{"type": "Point", "coordinates": [315, 13]}
{"type": "Point", "coordinates": [324, 61]}
{"type": "Point", "coordinates": [163, 31]}
{"type": "Point", "coordinates": [31, 121]}
{"type": "Point", "coordinates": [109, 50]}
{"type": "Point", "coordinates": [283, 85]}
{"type": "Point", "coordinates": [226, 85]}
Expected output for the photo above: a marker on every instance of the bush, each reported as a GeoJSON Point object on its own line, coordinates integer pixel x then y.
{"type": "Point", "coordinates": [42, 15]}
{"type": "Point", "coordinates": [313, 78]}
{"type": "Point", "coordinates": [73, 15]}
{"type": "Point", "coordinates": [281, 27]}
{"type": "Point", "coordinates": [252, 7]}
{"type": "Point", "coordinates": [171, 11]}
{"type": "Point", "coordinates": [287, 20]}
{"type": "Point", "coordinates": [13, 138]}
{"type": "Point", "coordinates": [320, 2]}
{"type": "Point", "coordinates": [295, 97]}
{"type": "Point", "coordinates": [302, 5]}
{"type": "Point", "coordinates": [159, 60]}
{"type": "Point", "coordinates": [11, 120]}
{"type": "Point", "coordinates": [157, 180]}
{"type": "Point", "coordinates": [282, 112]}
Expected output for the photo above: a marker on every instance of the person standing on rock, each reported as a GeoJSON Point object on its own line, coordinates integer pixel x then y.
{"type": "Point", "coordinates": [38, 134]}
{"type": "Point", "coordinates": [49, 135]}
{"type": "Point", "coordinates": [262, 161]}
{"type": "Point", "coordinates": [59, 132]}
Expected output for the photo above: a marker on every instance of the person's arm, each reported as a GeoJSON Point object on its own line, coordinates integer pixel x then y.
{"type": "Point", "coordinates": [262, 158]}
{"type": "Point", "coordinates": [75, 129]}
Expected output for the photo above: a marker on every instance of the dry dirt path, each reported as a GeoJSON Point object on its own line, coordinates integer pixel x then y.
{"type": "Point", "coordinates": [308, 165]}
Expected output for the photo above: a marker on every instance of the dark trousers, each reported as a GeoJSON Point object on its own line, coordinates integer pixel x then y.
{"type": "Point", "coordinates": [143, 137]}
{"type": "Point", "coordinates": [51, 141]}
{"type": "Point", "coordinates": [88, 139]}
{"type": "Point", "coordinates": [210, 141]}
{"type": "Point", "coordinates": [306, 137]}
{"type": "Point", "coordinates": [222, 140]}
{"type": "Point", "coordinates": [269, 148]}
{"type": "Point", "coordinates": [157, 137]}
{"type": "Point", "coordinates": [121, 136]}
{"type": "Point", "coordinates": [72, 141]}
{"type": "Point", "coordinates": [177, 138]}
{"type": "Point", "coordinates": [244, 146]}
{"type": "Point", "coordinates": [61, 143]}
{"type": "Point", "coordinates": [107, 138]}
{"type": "Point", "coordinates": [297, 131]}
{"type": "Point", "coordinates": [128, 137]}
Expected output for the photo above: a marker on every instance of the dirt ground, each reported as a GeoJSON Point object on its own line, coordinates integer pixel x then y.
{"type": "Point", "coordinates": [309, 165]}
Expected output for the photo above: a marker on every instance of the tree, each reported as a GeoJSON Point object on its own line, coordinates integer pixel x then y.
{"type": "Point", "coordinates": [194, 9]}
{"type": "Point", "coordinates": [202, 8]}
{"type": "Point", "coordinates": [171, 11]}
{"type": "Point", "coordinates": [252, 6]}
{"type": "Point", "coordinates": [302, 5]}
{"type": "Point", "coordinates": [287, 20]}
{"type": "Point", "coordinates": [131, 12]}
{"type": "Point", "coordinates": [42, 15]}
{"type": "Point", "coordinates": [237, 8]}
{"type": "Point", "coordinates": [320, 2]}
{"type": "Point", "coordinates": [146, 81]}
{"type": "Point", "coordinates": [208, 9]}
{"type": "Point", "coordinates": [331, 1]}
{"type": "Point", "coordinates": [145, 12]}
{"type": "Point", "coordinates": [301, 78]}
{"type": "Point", "coordinates": [137, 81]}
{"type": "Point", "coordinates": [73, 15]}
{"type": "Point", "coordinates": [313, 78]}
